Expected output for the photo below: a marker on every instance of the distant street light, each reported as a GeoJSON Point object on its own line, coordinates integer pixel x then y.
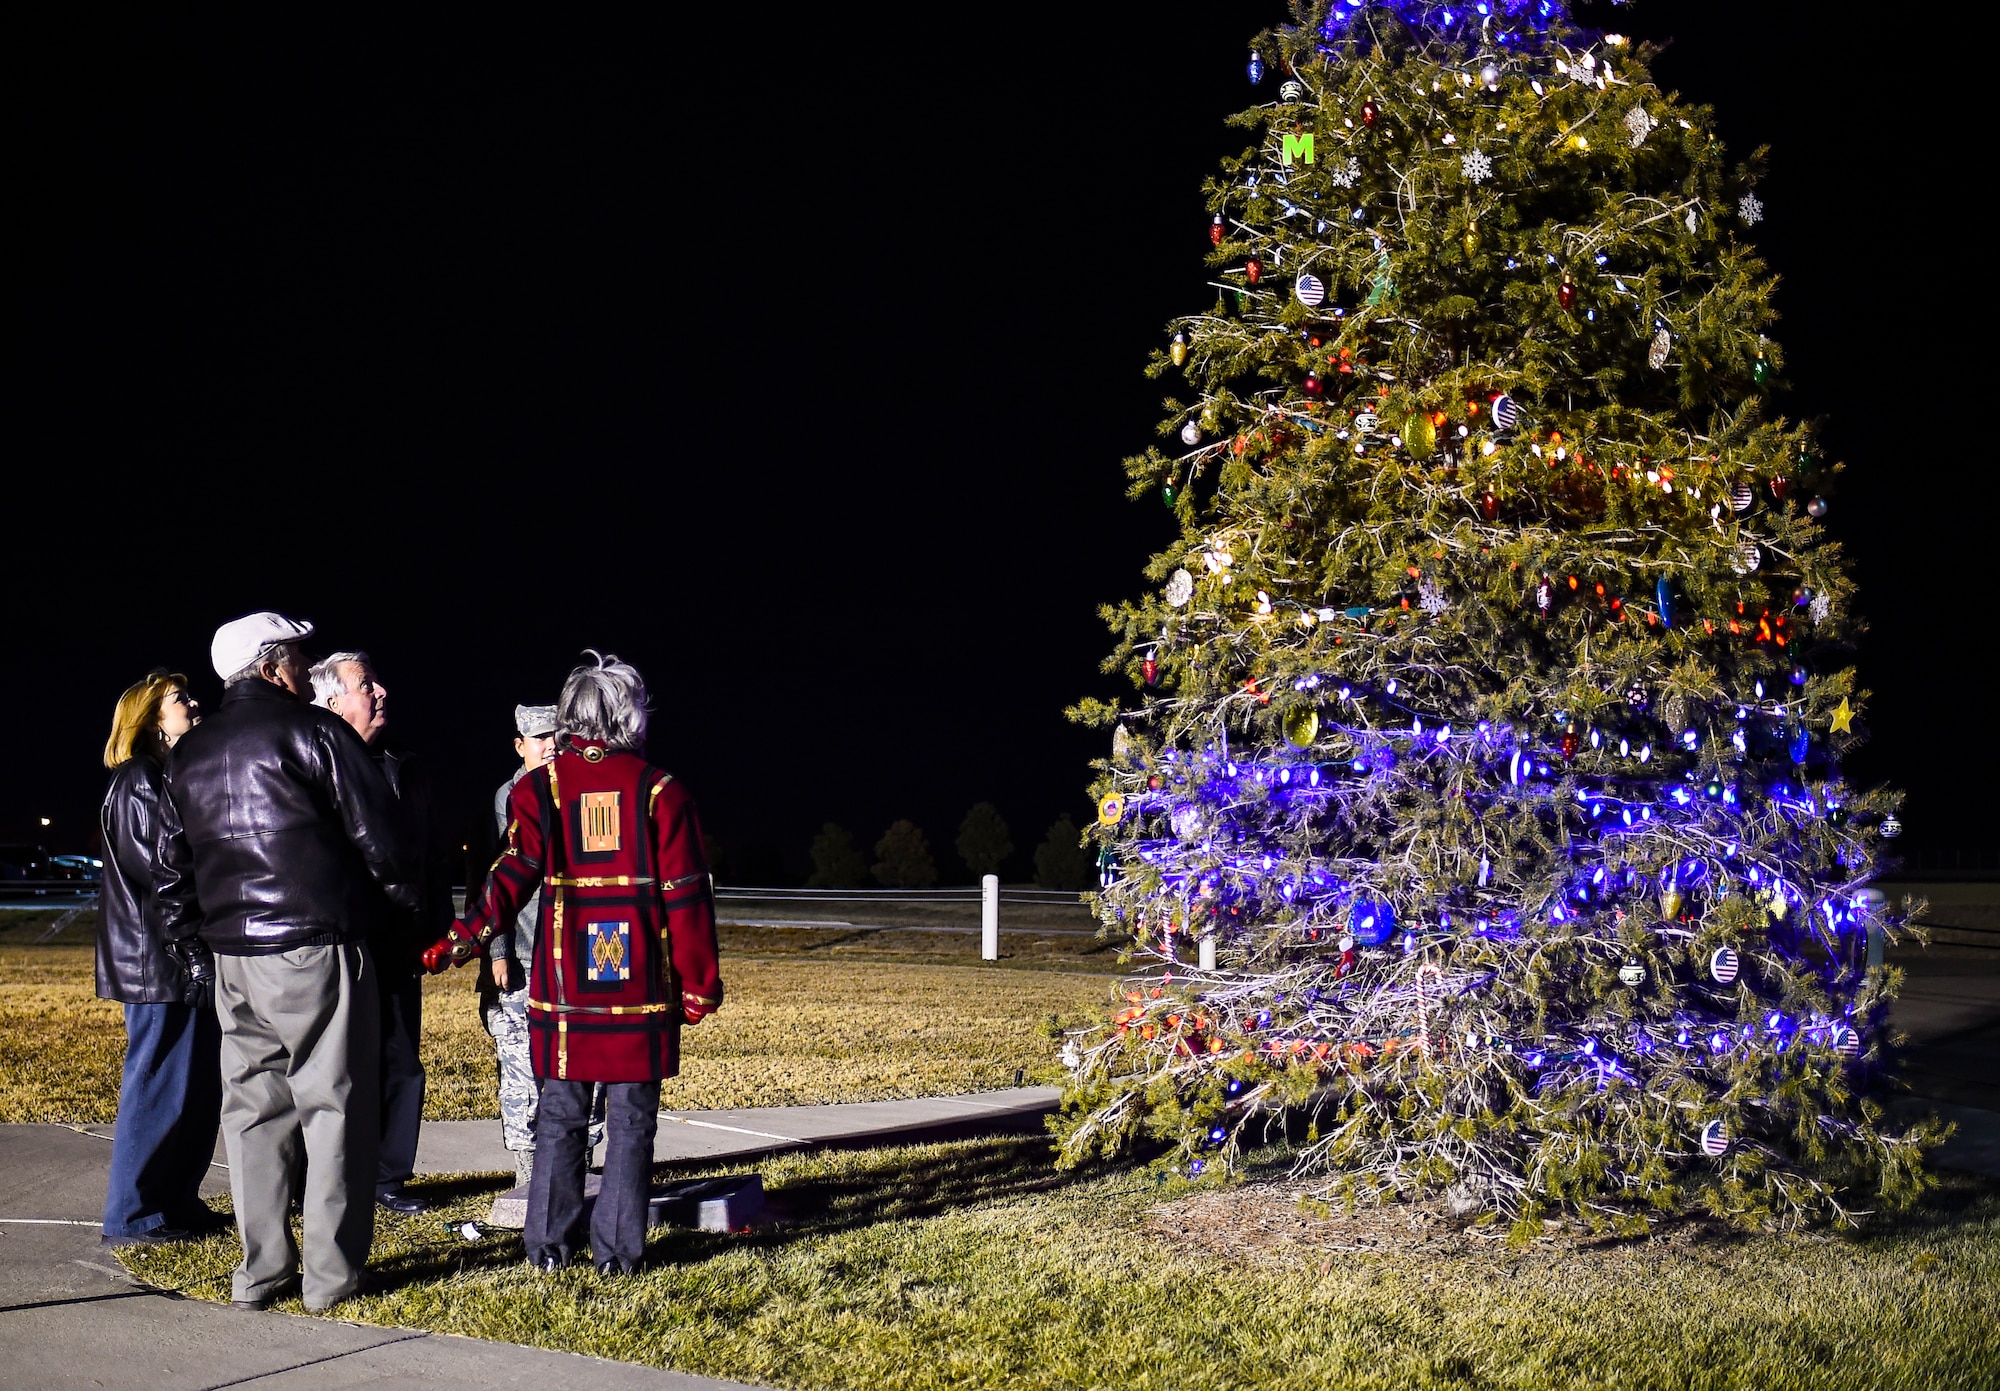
{"type": "Point", "coordinates": [45, 821]}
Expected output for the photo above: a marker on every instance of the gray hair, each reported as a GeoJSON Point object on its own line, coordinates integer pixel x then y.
{"type": "Point", "coordinates": [605, 699]}
{"type": "Point", "coordinates": [278, 653]}
{"type": "Point", "coordinates": [325, 675]}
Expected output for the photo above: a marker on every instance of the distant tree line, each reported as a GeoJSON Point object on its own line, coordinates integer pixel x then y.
{"type": "Point", "coordinates": [903, 856]}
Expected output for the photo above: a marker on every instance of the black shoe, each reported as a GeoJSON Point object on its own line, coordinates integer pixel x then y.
{"type": "Point", "coordinates": [158, 1236]}
{"type": "Point", "coordinates": [547, 1262]}
{"type": "Point", "coordinates": [616, 1268]}
{"type": "Point", "coordinates": [284, 1290]}
{"type": "Point", "coordinates": [402, 1201]}
{"type": "Point", "coordinates": [206, 1222]}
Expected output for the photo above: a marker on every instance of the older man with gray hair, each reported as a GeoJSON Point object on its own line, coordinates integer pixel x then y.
{"type": "Point", "coordinates": [278, 836]}
{"type": "Point", "coordinates": [625, 955]}
{"type": "Point", "coordinates": [347, 684]}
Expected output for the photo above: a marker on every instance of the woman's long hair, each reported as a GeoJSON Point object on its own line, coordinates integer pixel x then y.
{"type": "Point", "coordinates": [135, 724]}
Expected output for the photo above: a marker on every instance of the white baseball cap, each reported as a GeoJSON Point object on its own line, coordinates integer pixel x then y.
{"type": "Point", "coordinates": [534, 721]}
{"type": "Point", "coordinates": [240, 641]}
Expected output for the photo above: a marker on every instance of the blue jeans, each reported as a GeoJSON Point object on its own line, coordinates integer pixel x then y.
{"type": "Point", "coordinates": [168, 1108]}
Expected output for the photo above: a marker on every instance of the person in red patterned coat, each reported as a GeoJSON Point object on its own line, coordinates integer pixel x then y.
{"type": "Point", "coordinates": [625, 954]}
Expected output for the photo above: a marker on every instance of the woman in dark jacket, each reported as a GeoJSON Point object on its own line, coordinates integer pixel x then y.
{"type": "Point", "coordinates": [169, 1104]}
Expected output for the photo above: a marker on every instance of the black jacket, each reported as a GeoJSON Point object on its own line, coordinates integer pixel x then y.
{"type": "Point", "coordinates": [133, 966]}
{"type": "Point", "coordinates": [409, 922]}
{"type": "Point", "coordinates": [273, 822]}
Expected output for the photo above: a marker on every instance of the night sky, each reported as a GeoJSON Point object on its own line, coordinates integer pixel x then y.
{"type": "Point", "coordinates": [791, 354]}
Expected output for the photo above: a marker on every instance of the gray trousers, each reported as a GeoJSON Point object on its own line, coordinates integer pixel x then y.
{"type": "Point", "coordinates": [300, 1037]}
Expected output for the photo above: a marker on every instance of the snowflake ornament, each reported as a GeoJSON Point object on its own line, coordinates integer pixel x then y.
{"type": "Point", "coordinates": [1476, 165]}
{"type": "Point", "coordinates": [1820, 607]}
{"type": "Point", "coordinates": [1640, 123]}
{"type": "Point", "coordinates": [1750, 210]}
{"type": "Point", "coordinates": [1180, 588]}
{"type": "Point", "coordinates": [1430, 597]}
{"type": "Point", "coordinates": [1345, 175]}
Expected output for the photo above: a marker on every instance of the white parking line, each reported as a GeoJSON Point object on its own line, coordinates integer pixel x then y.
{"type": "Point", "coordinates": [47, 1222]}
{"type": "Point", "coordinates": [734, 1129]}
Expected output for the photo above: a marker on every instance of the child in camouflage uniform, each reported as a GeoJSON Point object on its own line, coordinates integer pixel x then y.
{"type": "Point", "coordinates": [503, 984]}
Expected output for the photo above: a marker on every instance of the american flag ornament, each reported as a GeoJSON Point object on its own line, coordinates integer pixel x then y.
{"type": "Point", "coordinates": [1844, 1041]}
{"type": "Point", "coordinates": [1724, 964]}
{"type": "Point", "coordinates": [1311, 291]}
{"type": "Point", "coordinates": [1506, 414]}
{"type": "Point", "coordinates": [1715, 1139]}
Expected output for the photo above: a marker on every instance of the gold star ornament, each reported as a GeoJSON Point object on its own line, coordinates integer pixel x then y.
{"type": "Point", "coordinates": [1843, 718]}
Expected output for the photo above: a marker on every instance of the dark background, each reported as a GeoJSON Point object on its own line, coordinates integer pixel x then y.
{"type": "Point", "coordinates": [791, 354]}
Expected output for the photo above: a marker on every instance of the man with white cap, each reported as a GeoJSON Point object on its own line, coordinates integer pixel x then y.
{"type": "Point", "coordinates": [273, 822]}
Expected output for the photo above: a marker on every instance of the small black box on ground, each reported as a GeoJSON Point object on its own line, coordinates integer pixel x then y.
{"type": "Point", "coordinates": [706, 1204]}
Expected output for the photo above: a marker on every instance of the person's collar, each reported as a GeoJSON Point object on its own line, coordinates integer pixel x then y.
{"type": "Point", "coordinates": [255, 688]}
{"type": "Point", "coordinates": [591, 750]}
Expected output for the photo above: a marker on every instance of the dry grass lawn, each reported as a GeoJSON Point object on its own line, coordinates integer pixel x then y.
{"type": "Point", "coordinates": [977, 1265]}
{"type": "Point", "coordinates": [810, 1018]}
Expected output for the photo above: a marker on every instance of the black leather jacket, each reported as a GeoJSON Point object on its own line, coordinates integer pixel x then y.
{"type": "Point", "coordinates": [133, 966]}
{"type": "Point", "coordinates": [273, 822]}
{"type": "Point", "coordinates": [409, 922]}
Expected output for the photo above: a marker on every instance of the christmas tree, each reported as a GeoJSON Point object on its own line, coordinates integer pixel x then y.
{"type": "Point", "coordinates": [1482, 805]}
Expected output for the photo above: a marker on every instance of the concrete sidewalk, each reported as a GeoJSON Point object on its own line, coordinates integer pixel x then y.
{"type": "Point", "coordinates": [71, 1317]}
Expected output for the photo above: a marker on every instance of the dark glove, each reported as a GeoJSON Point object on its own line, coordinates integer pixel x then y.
{"type": "Point", "coordinates": [455, 948]}
{"type": "Point", "coordinates": [198, 967]}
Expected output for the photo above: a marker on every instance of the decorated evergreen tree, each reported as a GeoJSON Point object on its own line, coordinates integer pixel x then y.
{"type": "Point", "coordinates": [1482, 803]}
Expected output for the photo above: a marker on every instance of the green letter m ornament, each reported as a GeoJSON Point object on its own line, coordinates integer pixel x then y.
{"type": "Point", "coordinates": [1300, 145]}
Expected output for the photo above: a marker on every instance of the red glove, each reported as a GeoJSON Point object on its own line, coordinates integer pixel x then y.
{"type": "Point", "coordinates": [455, 948]}
{"type": "Point", "coordinates": [695, 1008]}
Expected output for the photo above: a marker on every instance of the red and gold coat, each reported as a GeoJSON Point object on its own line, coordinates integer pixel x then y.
{"type": "Point", "coordinates": [627, 933]}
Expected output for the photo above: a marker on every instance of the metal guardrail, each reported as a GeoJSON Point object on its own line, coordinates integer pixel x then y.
{"type": "Point", "coordinates": [988, 895]}
{"type": "Point", "coordinates": [46, 893]}
{"type": "Point", "coordinates": [966, 894]}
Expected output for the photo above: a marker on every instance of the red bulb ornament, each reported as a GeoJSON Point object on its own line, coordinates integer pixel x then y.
{"type": "Point", "coordinates": [1215, 231]}
{"type": "Point", "coordinates": [1312, 384]}
{"type": "Point", "coordinates": [1570, 743]}
{"type": "Point", "coordinates": [1253, 270]}
{"type": "Point", "coordinates": [1150, 670]}
{"type": "Point", "coordinates": [1489, 506]}
{"type": "Point", "coordinates": [1369, 114]}
{"type": "Point", "coordinates": [1566, 295]}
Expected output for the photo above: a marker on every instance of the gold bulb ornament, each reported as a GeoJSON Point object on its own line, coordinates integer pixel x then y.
{"type": "Point", "coordinates": [1301, 726]}
{"type": "Point", "coordinates": [1420, 435]}
{"type": "Point", "coordinates": [1670, 905]}
{"type": "Point", "coordinates": [1179, 350]}
{"type": "Point", "coordinates": [1471, 238]}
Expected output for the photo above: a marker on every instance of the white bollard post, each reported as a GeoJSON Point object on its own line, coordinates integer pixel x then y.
{"type": "Point", "coordinates": [1208, 951]}
{"type": "Point", "coordinates": [989, 918]}
{"type": "Point", "coordinates": [1873, 904]}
